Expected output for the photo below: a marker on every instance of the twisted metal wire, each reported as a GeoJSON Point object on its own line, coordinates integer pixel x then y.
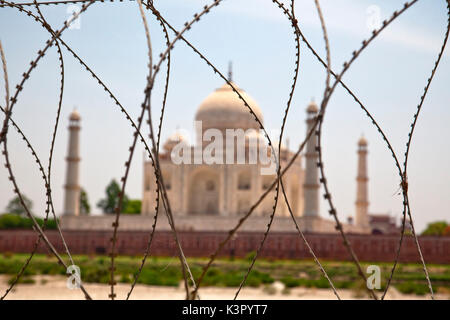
{"type": "Point", "coordinates": [154, 155]}
{"type": "Point", "coordinates": [39, 238]}
{"type": "Point", "coordinates": [3, 139]}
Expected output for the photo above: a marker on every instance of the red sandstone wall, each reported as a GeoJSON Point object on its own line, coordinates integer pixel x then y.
{"type": "Point", "coordinates": [278, 245]}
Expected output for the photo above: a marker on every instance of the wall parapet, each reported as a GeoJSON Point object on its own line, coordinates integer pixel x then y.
{"type": "Point", "coordinates": [281, 245]}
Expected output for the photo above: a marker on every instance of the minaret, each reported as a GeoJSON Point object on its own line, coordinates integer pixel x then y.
{"type": "Point", "coordinates": [311, 184]}
{"type": "Point", "coordinates": [362, 198]}
{"type": "Point", "coordinates": [72, 186]}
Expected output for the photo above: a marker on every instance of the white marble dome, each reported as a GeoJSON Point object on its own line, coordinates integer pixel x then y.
{"type": "Point", "coordinates": [223, 109]}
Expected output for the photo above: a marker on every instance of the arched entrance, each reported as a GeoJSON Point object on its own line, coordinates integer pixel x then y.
{"type": "Point", "coordinates": [204, 192]}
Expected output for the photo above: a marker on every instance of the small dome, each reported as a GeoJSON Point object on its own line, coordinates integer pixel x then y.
{"type": "Point", "coordinates": [173, 140]}
{"type": "Point", "coordinates": [177, 136]}
{"type": "Point", "coordinates": [312, 107]}
{"type": "Point", "coordinates": [223, 109]}
{"type": "Point", "coordinates": [362, 141]}
{"type": "Point", "coordinates": [75, 116]}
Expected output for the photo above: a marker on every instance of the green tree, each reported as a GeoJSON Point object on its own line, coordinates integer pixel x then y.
{"type": "Point", "coordinates": [85, 207]}
{"type": "Point", "coordinates": [15, 206]}
{"type": "Point", "coordinates": [111, 201]}
{"type": "Point", "coordinates": [14, 221]}
{"type": "Point", "coordinates": [435, 228]}
{"type": "Point", "coordinates": [133, 207]}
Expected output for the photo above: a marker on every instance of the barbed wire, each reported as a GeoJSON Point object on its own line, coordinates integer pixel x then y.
{"type": "Point", "coordinates": [320, 164]}
{"type": "Point", "coordinates": [3, 140]}
{"type": "Point", "coordinates": [315, 132]}
{"type": "Point", "coordinates": [36, 245]}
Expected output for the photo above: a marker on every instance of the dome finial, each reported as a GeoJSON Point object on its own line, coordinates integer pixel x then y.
{"type": "Point", "coordinates": [75, 115]}
{"type": "Point", "coordinates": [362, 141]}
{"type": "Point", "coordinates": [230, 71]}
{"type": "Point", "coordinates": [312, 107]}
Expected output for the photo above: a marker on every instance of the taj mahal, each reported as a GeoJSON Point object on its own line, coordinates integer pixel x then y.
{"type": "Point", "coordinates": [212, 194]}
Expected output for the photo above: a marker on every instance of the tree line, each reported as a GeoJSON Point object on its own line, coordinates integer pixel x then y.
{"type": "Point", "coordinates": [15, 216]}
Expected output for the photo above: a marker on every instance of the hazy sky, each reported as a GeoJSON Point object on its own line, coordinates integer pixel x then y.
{"type": "Point", "coordinates": [388, 78]}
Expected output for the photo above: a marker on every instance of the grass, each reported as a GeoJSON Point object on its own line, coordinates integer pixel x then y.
{"type": "Point", "coordinates": [166, 271]}
{"type": "Point", "coordinates": [22, 280]}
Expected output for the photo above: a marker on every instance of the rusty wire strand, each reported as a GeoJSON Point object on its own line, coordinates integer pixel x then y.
{"type": "Point", "coordinates": [231, 232]}
{"type": "Point", "coordinates": [178, 36]}
{"type": "Point", "coordinates": [36, 244]}
{"type": "Point", "coordinates": [36, 226]}
{"type": "Point", "coordinates": [368, 114]}
{"type": "Point", "coordinates": [404, 184]}
{"type": "Point", "coordinates": [38, 240]}
{"type": "Point", "coordinates": [124, 179]}
{"type": "Point", "coordinates": [323, 180]}
{"type": "Point", "coordinates": [279, 178]}
{"type": "Point", "coordinates": [300, 232]}
{"type": "Point", "coordinates": [245, 103]}
{"type": "Point", "coordinates": [154, 155]}
{"type": "Point", "coordinates": [99, 81]}
{"type": "Point", "coordinates": [5, 76]}
{"type": "Point", "coordinates": [155, 219]}
{"type": "Point", "coordinates": [3, 139]}
{"type": "Point", "coordinates": [87, 68]}
{"type": "Point", "coordinates": [161, 186]}
{"type": "Point", "coordinates": [159, 178]}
